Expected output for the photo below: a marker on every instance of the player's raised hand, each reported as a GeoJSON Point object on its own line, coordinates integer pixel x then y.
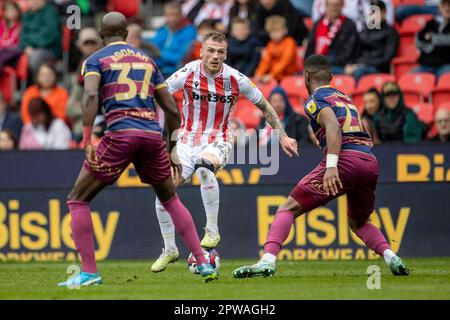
{"type": "Point", "coordinates": [331, 181]}
{"type": "Point", "coordinates": [91, 154]}
{"type": "Point", "coordinates": [175, 164]}
{"type": "Point", "coordinates": [289, 146]}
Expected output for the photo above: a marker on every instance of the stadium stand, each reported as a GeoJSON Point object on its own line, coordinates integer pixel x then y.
{"type": "Point", "coordinates": [417, 87]}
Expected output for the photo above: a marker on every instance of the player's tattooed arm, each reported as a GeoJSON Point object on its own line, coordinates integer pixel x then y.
{"type": "Point", "coordinates": [271, 116]}
{"type": "Point", "coordinates": [288, 145]}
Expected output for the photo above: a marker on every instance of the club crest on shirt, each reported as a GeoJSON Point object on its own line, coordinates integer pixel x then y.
{"type": "Point", "coordinates": [311, 106]}
{"type": "Point", "coordinates": [226, 86]}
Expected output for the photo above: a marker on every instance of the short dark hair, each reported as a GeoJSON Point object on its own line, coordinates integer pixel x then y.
{"type": "Point", "coordinates": [215, 36]}
{"type": "Point", "coordinates": [317, 62]}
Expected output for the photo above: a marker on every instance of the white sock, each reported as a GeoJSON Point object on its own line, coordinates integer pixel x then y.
{"type": "Point", "coordinates": [167, 227]}
{"type": "Point", "coordinates": [388, 254]}
{"type": "Point", "coordinates": [210, 195]}
{"type": "Point", "coordinates": [268, 257]}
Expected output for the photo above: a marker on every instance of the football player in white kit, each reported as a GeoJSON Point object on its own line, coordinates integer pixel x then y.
{"type": "Point", "coordinates": [210, 89]}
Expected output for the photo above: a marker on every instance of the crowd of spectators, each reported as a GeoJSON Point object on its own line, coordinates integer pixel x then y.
{"type": "Point", "coordinates": [268, 41]}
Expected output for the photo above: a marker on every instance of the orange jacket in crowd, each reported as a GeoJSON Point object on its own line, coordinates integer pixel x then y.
{"type": "Point", "coordinates": [56, 99]}
{"type": "Point", "coordinates": [279, 59]}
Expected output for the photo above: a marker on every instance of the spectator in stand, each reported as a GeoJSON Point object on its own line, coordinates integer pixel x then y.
{"type": "Point", "coordinates": [240, 137]}
{"type": "Point", "coordinates": [433, 42]}
{"type": "Point", "coordinates": [135, 39]}
{"type": "Point", "coordinates": [334, 36]}
{"type": "Point", "coordinates": [279, 57]}
{"type": "Point", "coordinates": [10, 26]}
{"type": "Point", "coordinates": [191, 8]}
{"type": "Point", "coordinates": [40, 37]}
{"type": "Point", "coordinates": [377, 47]}
{"type": "Point", "coordinates": [8, 140]}
{"type": "Point", "coordinates": [356, 10]}
{"type": "Point", "coordinates": [442, 123]}
{"type": "Point", "coordinates": [173, 40]}
{"type": "Point", "coordinates": [372, 106]}
{"type": "Point", "coordinates": [295, 125]}
{"type": "Point", "coordinates": [243, 47]}
{"type": "Point", "coordinates": [395, 121]}
{"type": "Point", "coordinates": [404, 11]}
{"type": "Point", "coordinates": [218, 10]}
{"type": "Point", "coordinates": [9, 120]}
{"type": "Point", "coordinates": [205, 27]}
{"type": "Point", "coordinates": [45, 87]}
{"type": "Point", "coordinates": [88, 9]}
{"type": "Point", "coordinates": [88, 42]}
{"type": "Point", "coordinates": [45, 131]}
{"type": "Point", "coordinates": [304, 7]}
{"type": "Point", "coordinates": [295, 25]}
{"type": "Point", "coordinates": [244, 9]}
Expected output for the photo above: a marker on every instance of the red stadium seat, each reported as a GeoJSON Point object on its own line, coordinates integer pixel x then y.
{"type": "Point", "coordinates": [417, 87]}
{"type": "Point", "coordinates": [376, 80]}
{"type": "Point", "coordinates": [7, 83]}
{"type": "Point", "coordinates": [128, 8]}
{"type": "Point", "coordinates": [344, 83]}
{"type": "Point", "coordinates": [424, 112]}
{"type": "Point", "coordinates": [300, 58]}
{"type": "Point", "coordinates": [440, 97]}
{"type": "Point", "coordinates": [267, 87]}
{"type": "Point", "coordinates": [22, 71]}
{"type": "Point", "coordinates": [66, 38]}
{"type": "Point", "coordinates": [248, 113]}
{"type": "Point", "coordinates": [444, 81]}
{"type": "Point", "coordinates": [296, 90]}
{"type": "Point", "coordinates": [404, 64]}
{"type": "Point", "coordinates": [443, 106]}
{"type": "Point", "coordinates": [414, 23]}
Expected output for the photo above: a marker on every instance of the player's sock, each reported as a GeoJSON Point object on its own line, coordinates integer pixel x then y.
{"type": "Point", "coordinates": [279, 231]}
{"type": "Point", "coordinates": [388, 254]}
{"type": "Point", "coordinates": [210, 195]}
{"type": "Point", "coordinates": [373, 238]}
{"type": "Point", "coordinates": [185, 227]}
{"type": "Point", "coordinates": [83, 233]}
{"type": "Point", "coordinates": [166, 226]}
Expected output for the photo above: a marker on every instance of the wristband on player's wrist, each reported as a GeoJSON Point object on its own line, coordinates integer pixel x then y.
{"type": "Point", "coordinates": [87, 135]}
{"type": "Point", "coordinates": [332, 160]}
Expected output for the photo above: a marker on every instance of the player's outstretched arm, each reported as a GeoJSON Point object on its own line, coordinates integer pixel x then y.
{"type": "Point", "coordinates": [327, 119]}
{"type": "Point", "coordinates": [168, 104]}
{"type": "Point", "coordinates": [288, 145]}
{"type": "Point", "coordinates": [89, 106]}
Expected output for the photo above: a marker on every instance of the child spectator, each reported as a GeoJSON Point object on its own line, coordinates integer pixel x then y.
{"type": "Point", "coordinates": [205, 27]}
{"type": "Point", "coordinates": [244, 9]}
{"type": "Point", "coordinates": [335, 36]}
{"type": "Point", "coordinates": [243, 48]}
{"type": "Point", "coordinates": [279, 57]}
{"type": "Point", "coordinates": [173, 40]}
{"type": "Point", "coordinates": [9, 120]}
{"type": "Point", "coordinates": [371, 107]}
{"type": "Point", "coordinates": [433, 41]}
{"type": "Point", "coordinates": [44, 132]}
{"type": "Point", "coordinates": [10, 34]}
{"type": "Point", "coordinates": [295, 25]}
{"type": "Point", "coordinates": [442, 123]}
{"type": "Point", "coordinates": [40, 37]}
{"type": "Point", "coordinates": [377, 46]}
{"type": "Point", "coordinates": [396, 122]}
{"type": "Point", "coordinates": [8, 140]}
{"type": "Point", "coordinates": [45, 87]}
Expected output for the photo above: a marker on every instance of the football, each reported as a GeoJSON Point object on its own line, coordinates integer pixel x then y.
{"type": "Point", "coordinates": [211, 255]}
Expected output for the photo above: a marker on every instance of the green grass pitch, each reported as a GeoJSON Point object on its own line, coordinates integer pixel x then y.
{"type": "Point", "coordinates": [430, 279]}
